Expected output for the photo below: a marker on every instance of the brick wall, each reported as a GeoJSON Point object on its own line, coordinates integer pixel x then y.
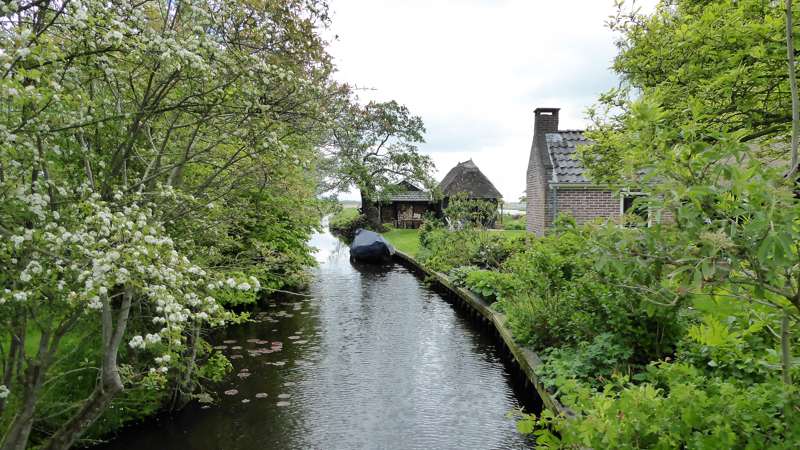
{"type": "Point", "coordinates": [545, 121]}
{"type": "Point", "coordinates": [586, 204]}
{"type": "Point", "coordinates": [535, 193]}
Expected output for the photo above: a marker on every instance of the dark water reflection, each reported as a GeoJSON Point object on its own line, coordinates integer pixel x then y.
{"type": "Point", "coordinates": [372, 359]}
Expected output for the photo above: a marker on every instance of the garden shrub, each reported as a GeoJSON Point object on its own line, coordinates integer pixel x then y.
{"type": "Point", "coordinates": [347, 222]}
{"type": "Point", "coordinates": [491, 285]}
{"type": "Point", "coordinates": [685, 410]}
{"type": "Point", "coordinates": [445, 250]}
{"type": "Point", "coordinates": [429, 224]}
{"type": "Point", "coordinates": [593, 363]}
{"type": "Point", "coordinates": [458, 275]}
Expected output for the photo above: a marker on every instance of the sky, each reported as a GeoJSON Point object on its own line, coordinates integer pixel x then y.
{"type": "Point", "coordinates": [475, 70]}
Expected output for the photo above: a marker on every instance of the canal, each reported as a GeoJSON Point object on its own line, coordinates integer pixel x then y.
{"type": "Point", "coordinates": [372, 358]}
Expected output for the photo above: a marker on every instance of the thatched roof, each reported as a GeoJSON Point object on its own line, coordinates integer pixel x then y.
{"type": "Point", "coordinates": [466, 177]}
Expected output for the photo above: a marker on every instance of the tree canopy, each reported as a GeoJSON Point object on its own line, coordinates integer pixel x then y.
{"type": "Point", "coordinates": [158, 164]}
{"type": "Point", "coordinates": [711, 67]}
{"type": "Point", "coordinates": [374, 147]}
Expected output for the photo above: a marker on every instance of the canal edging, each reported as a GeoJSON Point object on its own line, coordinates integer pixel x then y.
{"type": "Point", "coordinates": [527, 359]}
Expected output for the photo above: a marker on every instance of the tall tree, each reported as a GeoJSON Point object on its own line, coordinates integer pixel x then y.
{"type": "Point", "coordinates": [155, 158]}
{"type": "Point", "coordinates": [375, 147]}
{"type": "Point", "coordinates": [713, 67]}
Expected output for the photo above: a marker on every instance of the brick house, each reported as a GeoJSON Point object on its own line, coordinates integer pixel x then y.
{"type": "Point", "coordinates": [556, 181]}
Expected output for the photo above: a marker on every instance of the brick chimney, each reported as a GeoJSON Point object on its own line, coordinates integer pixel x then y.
{"type": "Point", "coordinates": [545, 121]}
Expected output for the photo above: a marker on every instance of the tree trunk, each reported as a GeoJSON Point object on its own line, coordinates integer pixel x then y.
{"type": "Point", "coordinates": [185, 386]}
{"type": "Point", "coordinates": [16, 437]}
{"type": "Point", "coordinates": [370, 211]}
{"type": "Point", "coordinates": [11, 360]}
{"type": "Point", "coordinates": [110, 382]}
{"type": "Point", "coordinates": [793, 86]}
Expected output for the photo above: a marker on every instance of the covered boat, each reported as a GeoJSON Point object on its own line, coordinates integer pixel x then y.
{"type": "Point", "coordinates": [369, 246]}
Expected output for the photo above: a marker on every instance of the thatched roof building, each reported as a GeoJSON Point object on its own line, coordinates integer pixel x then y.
{"type": "Point", "coordinates": [466, 177]}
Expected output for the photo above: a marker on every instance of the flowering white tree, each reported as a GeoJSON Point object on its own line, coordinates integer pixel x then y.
{"type": "Point", "coordinates": [140, 143]}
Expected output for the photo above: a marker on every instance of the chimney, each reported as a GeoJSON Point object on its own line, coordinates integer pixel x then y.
{"type": "Point", "coordinates": [545, 121]}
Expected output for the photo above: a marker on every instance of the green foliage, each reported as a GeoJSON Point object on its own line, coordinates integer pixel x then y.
{"type": "Point", "coordinates": [513, 222]}
{"type": "Point", "coordinates": [491, 285]}
{"type": "Point", "coordinates": [464, 212]}
{"type": "Point", "coordinates": [700, 125]}
{"type": "Point", "coordinates": [680, 408]}
{"type": "Point", "coordinates": [405, 240]}
{"type": "Point", "coordinates": [374, 147]}
{"type": "Point", "coordinates": [458, 275]}
{"type": "Point", "coordinates": [566, 298]}
{"type": "Point", "coordinates": [346, 222]}
{"type": "Point", "coordinates": [429, 224]}
{"type": "Point", "coordinates": [216, 367]}
{"type": "Point", "coordinates": [715, 67]}
{"type": "Point", "coordinates": [593, 363]}
{"type": "Point", "coordinates": [158, 156]}
{"type": "Point", "coordinates": [469, 247]}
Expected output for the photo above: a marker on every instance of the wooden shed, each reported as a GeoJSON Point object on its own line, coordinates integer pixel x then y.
{"type": "Point", "coordinates": [406, 207]}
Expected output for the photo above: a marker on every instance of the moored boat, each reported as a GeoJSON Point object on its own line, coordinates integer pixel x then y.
{"type": "Point", "coordinates": [369, 246]}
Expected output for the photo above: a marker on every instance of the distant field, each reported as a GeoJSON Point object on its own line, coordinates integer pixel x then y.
{"type": "Point", "coordinates": [350, 204]}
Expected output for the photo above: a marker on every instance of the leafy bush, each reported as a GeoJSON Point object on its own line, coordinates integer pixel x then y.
{"type": "Point", "coordinates": [737, 348]}
{"type": "Point", "coordinates": [592, 362]}
{"type": "Point", "coordinates": [491, 285]}
{"type": "Point", "coordinates": [463, 212]}
{"type": "Point", "coordinates": [566, 299]}
{"type": "Point", "coordinates": [429, 224]}
{"type": "Point", "coordinates": [445, 250]}
{"type": "Point", "coordinates": [346, 222]}
{"type": "Point", "coordinates": [458, 275]}
{"type": "Point", "coordinates": [684, 409]}
{"type": "Point", "coordinates": [513, 222]}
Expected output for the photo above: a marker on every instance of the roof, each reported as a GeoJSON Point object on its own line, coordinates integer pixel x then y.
{"type": "Point", "coordinates": [562, 148]}
{"type": "Point", "coordinates": [411, 196]}
{"type": "Point", "coordinates": [409, 192]}
{"type": "Point", "coordinates": [466, 177]}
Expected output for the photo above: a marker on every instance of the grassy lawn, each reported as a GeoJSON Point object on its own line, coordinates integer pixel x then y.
{"type": "Point", "coordinates": [405, 240]}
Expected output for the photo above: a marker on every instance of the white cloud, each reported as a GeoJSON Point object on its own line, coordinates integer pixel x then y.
{"type": "Point", "coordinates": [474, 70]}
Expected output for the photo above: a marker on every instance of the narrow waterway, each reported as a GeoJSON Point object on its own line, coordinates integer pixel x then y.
{"type": "Point", "coordinates": [372, 359]}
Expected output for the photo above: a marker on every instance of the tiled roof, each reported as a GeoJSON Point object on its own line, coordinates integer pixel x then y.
{"type": "Point", "coordinates": [411, 196]}
{"type": "Point", "coordinates": [562, 146]}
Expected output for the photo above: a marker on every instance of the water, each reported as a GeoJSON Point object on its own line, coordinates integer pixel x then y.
{"type": "Point", "coordinates": [371, 359]}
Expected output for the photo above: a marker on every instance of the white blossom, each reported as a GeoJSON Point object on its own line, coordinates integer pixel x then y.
{"type": "Point", "coordinates": [137, 342]}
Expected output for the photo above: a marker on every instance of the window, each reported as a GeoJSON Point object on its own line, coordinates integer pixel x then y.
{"type": "Point", "coordinates": [634, 209]}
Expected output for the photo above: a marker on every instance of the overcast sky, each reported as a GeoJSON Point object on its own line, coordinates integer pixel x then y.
{"type": "Point", "coordinates": [474, 70]}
